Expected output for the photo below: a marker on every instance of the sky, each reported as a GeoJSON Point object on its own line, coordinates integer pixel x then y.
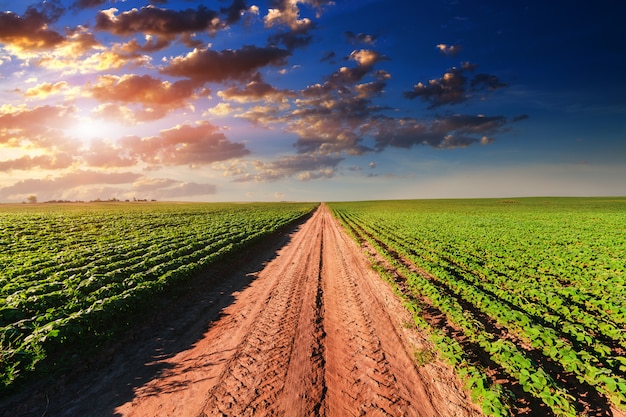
{"type": "Point", "coordinates": [311, 100]}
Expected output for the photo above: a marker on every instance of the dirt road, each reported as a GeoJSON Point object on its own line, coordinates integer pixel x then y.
{"type": "Point", "coordinates": [313, 332]}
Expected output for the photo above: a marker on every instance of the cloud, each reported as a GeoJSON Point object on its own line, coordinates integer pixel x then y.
{"type": "Point", "coordinates": [366, 57]}
{"type": "Point", "coordinates": [162, 26]}
{"type": "Point", "coordinates": [328, 117]}
{"type": "Point", "coordinates": [328, 56]}
{"type": "Point", "coordinates": [56, 161]}
{"type": "Point", "coordinates": [445, 132]}
{"type": "Point", "coordinates": [91, 185]}
{"type": "Point", "coordinates": [64, 186]}
{"type": "Point", "coordinates": [115, 112]}
{"type": "Point", "coordinates": [234, 12]}
{"type": "Point", "coordinates": [31, 32]}
{"type": "Point", "coordinates": [454, 87]}
{"type": "Point", "coordinates": [81, 53]}
{"type": "Point", "coordinates": [40, 127]}
{"type": "Point", "coordinates": [449, 89]}
{"type": "Point", "coordinates": [291, 40]}
{"type": "Point", "coordinates": [287, 13]}
{"type": "Point", "coordinates": [360, 38]}
{"type": "Point", "coordinates": [184, 145]}
{"type": "Point", "coordinates": [220, 109]}
{"type": "Point", "coordinates": [165, 189]}
{"type": "Point", "coordinates": [165, 24]}
{"type": "Point", "coordinates": [451, 50]}
{"type": "Point", "coordinates": [104, 154]}
{"type": "Point", "coordinates": [156, 97]}
{"type": "Point", "coordinates": [87, 4]}
{"type": "Point", "coordinates": [255, 90]}
{"type": "Point", "coordinates": [303, 167]}
{"type": "Point", "coordinates": [206, 65]}
{"type": "Point", "coordinates": [486, 81]}
{"type": "Point", "coordinates": [46, 89]}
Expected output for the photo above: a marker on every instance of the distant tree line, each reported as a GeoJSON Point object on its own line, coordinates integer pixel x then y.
{"type": "Point", "coordinates": [32, 199]}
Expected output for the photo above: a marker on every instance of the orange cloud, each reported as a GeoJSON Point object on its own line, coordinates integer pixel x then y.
{"type": "Point", "coordinates": [46, 89]}
{"type": "Point", "coordinates": [184, 145]}
{"type": "Point", "coordinates": [56, 161]}
{"type": "Point", "coordinates": [452, 50]}
{"type": "Point", "coordinates": [40, 127]}
{"type": "Point", "coordinates": [105, 154]}
{"type": "Point", "coordinates": [157, 97]}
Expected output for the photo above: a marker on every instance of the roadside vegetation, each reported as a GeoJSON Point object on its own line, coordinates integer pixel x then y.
{"type": "Point", "coordinates": [72, 275]}
{"type": "Point", "coordinates": [526, 297]}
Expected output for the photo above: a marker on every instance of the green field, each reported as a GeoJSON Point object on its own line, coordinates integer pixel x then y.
{"type": "Point", "coordinates": [531, 291]}
{"type": "Point", "coordinates": [70, 272]}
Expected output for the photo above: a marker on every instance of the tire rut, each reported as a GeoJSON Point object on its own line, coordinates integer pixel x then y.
{"type": "Point", "coordinates": [371, 384]}
{"type": "Point", "coordinates": [255, 377]}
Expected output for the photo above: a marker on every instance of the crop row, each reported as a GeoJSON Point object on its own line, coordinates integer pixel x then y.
{"type": "Point", "coordinates": [69, 274]}
{"type": "Point", "coordinates": [541, 320]}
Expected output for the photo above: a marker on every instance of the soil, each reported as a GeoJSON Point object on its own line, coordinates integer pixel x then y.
{"type": "Point", "coordinates": [303, 327]}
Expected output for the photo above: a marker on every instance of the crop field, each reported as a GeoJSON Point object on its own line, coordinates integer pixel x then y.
{"type": "Point", "coordinates": [69, 272]}
{"type": "Point", "coordinates": [525, 298]}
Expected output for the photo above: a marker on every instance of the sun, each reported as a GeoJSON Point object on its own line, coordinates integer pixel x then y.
{"type": "Point", "coordinates": [87, 129]}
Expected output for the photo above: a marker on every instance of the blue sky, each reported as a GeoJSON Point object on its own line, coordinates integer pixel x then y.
{"type": "Point", "coordinates": [320, 100]}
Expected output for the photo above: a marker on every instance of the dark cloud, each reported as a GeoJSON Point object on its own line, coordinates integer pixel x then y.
{"type": "Point", "coordinates": [451, 88]}
{"type": "Point", "coordinates": [156, 21]}
{"type": "Point", "coordinates": [486, 81]}
{"type": "Point", "coordinates": [329, 56]}
{"type": "Point", "coordinates": [256, 90]}
{"type": "Point", "coordinates": [452, 131]}
{"type": "Point", "coordinates": [454, 87]}
{"type": "Point", "coordinates": [206, 65]}
{"type": "Point", "coordinates": [31, 32]}
{"type": "Point", "coordinates": [164, 24]}
{"type": "Point", "coordinates": [291, 40]}
{"type": "Point", "coordinates": [327, 117]}
{"type": "Point", "coordinates": [360, 38]}
{"type": "Point", "coordinates": [303, 167]}
{"type": "Point", "coordinates": [88, 4]}
{"type": "Point", "coordinates": [234, 12]}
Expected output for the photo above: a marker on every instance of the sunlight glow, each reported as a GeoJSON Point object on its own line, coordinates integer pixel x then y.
{"type": "Point", "coordinates": [87, 129]}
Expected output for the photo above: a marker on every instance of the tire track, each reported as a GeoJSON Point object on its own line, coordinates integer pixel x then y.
{"type": "Point", "coordinates": [254, 379]}
{"type": "Point", "coordinates": [372, 387]}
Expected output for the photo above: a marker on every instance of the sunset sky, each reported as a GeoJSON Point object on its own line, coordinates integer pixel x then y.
{"type": "Point", "coordinates": [316, 100]}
